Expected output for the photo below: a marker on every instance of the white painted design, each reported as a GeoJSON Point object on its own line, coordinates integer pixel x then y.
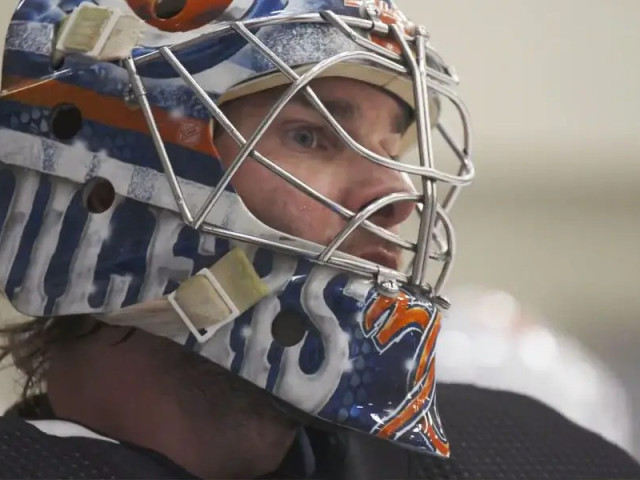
{"type": "Point", "coordinates": [75, 162]}
{"type": "Point", "coordinates": [311, 392]}
{"type": "Point", "coordinates": [31, 292]}
{"type": "Point", "coordinates": [236, 10]}
{"type": "Point", "coordinates": [21, 205]}
{"type": "Point", "coordinates": [255, 366]}
{"type": "Point", "coordinates": [162, 268]}
{"type": "Point", "coordinates": [83, 266]}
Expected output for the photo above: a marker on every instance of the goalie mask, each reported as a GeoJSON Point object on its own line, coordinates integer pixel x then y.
{"type": "Point", "coordinates": [117, 100]}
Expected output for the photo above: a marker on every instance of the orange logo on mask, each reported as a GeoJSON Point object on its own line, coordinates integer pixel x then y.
{"type": "Point", "coordinates": [386, 321]}
{"type": "Point", "coordinates": [194, 13]}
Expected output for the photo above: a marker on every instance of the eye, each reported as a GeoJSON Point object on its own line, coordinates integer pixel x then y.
{"type": "Point", "coordinates": [305, 137]}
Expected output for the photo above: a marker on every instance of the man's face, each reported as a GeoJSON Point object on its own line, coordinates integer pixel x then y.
{"type": "Point", "coordinates": [302, 142]}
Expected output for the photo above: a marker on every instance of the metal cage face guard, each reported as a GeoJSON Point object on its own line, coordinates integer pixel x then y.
{"type": "Point", "coordinates": [424, 78]}
{"type": "Point", "coordinates": [366, 361]}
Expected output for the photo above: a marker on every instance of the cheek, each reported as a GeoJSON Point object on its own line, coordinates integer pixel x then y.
{"type": "Point", "coordinates": [277, 203]}
{"type": "Point", "coordinates": [282, 206]}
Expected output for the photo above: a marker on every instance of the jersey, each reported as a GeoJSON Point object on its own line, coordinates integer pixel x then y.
{"type": "Point", "coordinates": [493, 434]}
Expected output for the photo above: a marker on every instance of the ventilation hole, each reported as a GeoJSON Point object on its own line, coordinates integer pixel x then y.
{"type": "Point", "coordinates": [66, 121]}
{"type": "Point", "coordinates": [288, 328]}
{"type": "Point", "coordinates": [166, 9]}
{"type": "Point", "coordinates": [98, 195]}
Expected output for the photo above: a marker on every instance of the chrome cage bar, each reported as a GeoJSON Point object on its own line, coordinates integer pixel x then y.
{"type": "Point", "coordinates": [425, 79]}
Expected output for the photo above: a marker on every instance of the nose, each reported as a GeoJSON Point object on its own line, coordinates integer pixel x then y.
{"type": "Point", "coordinates": [371, 182]}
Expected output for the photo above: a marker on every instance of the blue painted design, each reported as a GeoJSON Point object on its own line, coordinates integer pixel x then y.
{"type": "Point", "coordinates": [364, 385]}
{"type": "Point", "coordinates": [191, 343]}
{"type": "Point", "coordinates": [26, 64]}
{"type": "Point", "coordinates": [7, 189]}
{"type": "Point", "coordinates": [201, 56]}
{"type": "Point", "coordinates": [343, 415]}
{"type": "Point", "coordinates": [312, 354]}
{"type": "Point", "coordinates": [274, 357]}
{"type": "Point", "coordinates": [29, 237]}
{"type": "Point", "coordinates": [263, 263]}
{"type": "Point", "coordinates": [266, 8]}
{"type": "Point", "coordinates": [133, 219]}
{"type": "Point", "coordinates": [187, 246]}
{"type": "Point", "coordinates": [57, 276]}
{"type": "Point", "coordinates": [45, 11]}
{"type": "Point", "coordinates": [126, 145]}
{"type": "Point", "coordinates": [67, 6]}
{"type": "Point", "coordinates": [238, 340]}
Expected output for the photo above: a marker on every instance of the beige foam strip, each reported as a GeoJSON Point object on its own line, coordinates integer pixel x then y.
{"type": "Point", "coordinates": [218, 295]}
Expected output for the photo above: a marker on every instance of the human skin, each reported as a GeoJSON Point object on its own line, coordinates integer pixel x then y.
{"type": "Point", "coordinates": [301, 142]}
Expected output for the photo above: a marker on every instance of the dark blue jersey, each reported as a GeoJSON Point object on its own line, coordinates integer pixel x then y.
{"type": "Point", "coordinates": [493, 435]}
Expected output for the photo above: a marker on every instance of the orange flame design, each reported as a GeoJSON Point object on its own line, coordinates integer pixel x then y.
{"type": "Point", "coordinates": [401, 318]}
{"type": "Point", "coordinates": [195, 13]}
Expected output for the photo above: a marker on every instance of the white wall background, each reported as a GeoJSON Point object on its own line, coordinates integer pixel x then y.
{"type": "Point", "coordinates": [554, 216]}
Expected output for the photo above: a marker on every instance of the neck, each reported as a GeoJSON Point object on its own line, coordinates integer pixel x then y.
{"type": "Point", "coordinates": [126, 391]}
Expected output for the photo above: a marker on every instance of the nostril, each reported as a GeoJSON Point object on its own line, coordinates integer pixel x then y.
{"type": "Point", "coordinates": [386, 212]}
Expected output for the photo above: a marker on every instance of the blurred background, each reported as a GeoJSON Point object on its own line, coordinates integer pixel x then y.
{"type": "Point", "coordinates": [548, 235]}
{"type": "Point", "coordinates": [550, 229]}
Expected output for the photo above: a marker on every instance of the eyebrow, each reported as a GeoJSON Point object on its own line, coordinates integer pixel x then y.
{"type": "Point", "coordinates": [348, 111]}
